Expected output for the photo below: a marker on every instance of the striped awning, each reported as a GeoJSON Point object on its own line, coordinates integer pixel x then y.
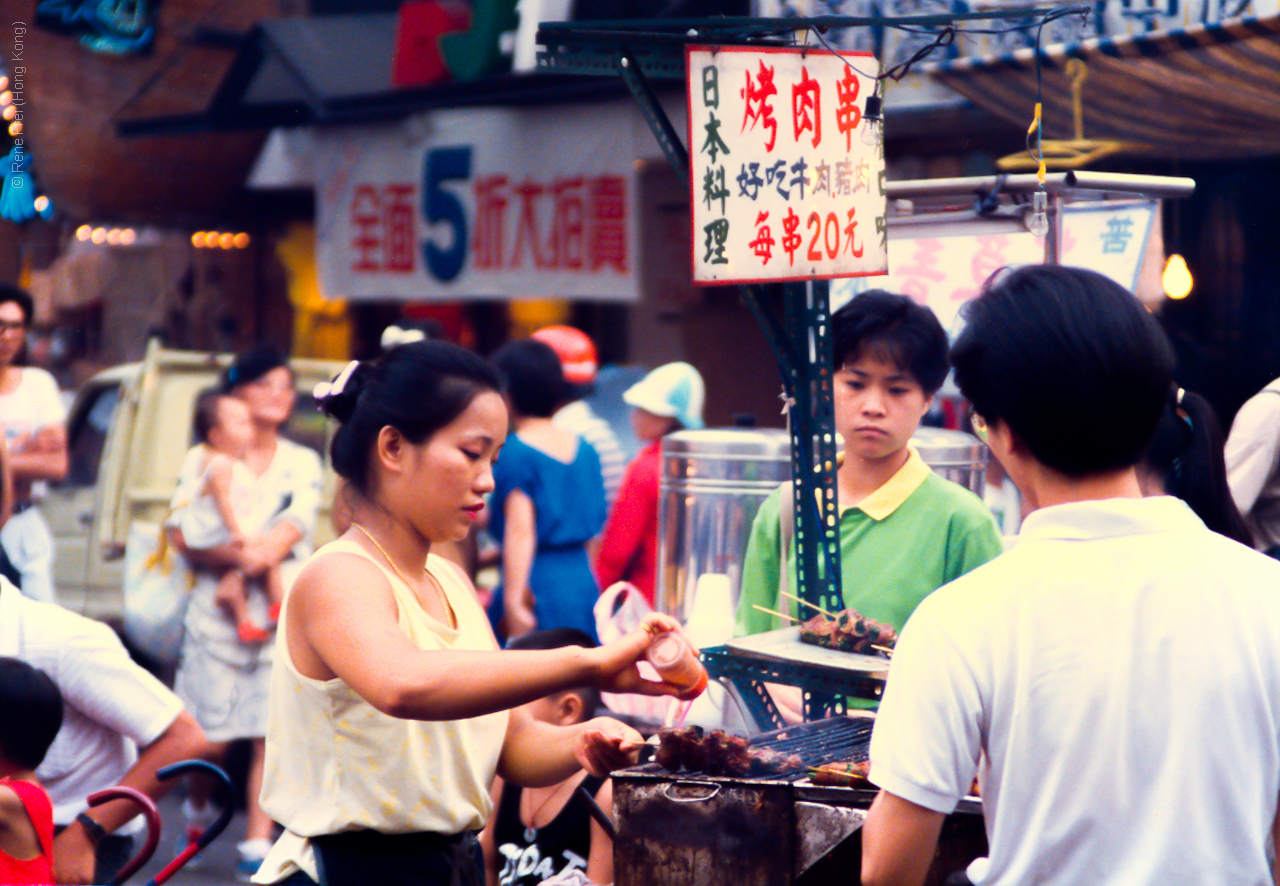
{"type": "Point", "coordinates": [1202, 93]}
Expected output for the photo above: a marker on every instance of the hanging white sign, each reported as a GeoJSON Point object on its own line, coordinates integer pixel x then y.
{"type": "Point", "coordinates": [473, 203]}
{"type": "Point", "coordinates": [944, 264]}
{"type": "Point", "coordinates": [786, 174]}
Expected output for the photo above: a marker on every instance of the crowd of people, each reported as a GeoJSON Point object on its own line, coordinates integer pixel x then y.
{"type": "Point", "coordinates": [403, 726]}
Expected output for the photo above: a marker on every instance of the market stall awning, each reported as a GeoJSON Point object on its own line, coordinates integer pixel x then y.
{"type": "Point", "coordinates": [1209, 92]}
{"type": "Point", "coordinates": [336, 69]}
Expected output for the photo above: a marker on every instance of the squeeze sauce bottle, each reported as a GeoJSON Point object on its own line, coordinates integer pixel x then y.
{"type": "Point", "coordinates": [675, 661]}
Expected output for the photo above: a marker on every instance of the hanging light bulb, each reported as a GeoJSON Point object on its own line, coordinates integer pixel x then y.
{"type": "Point", "coordinates": [1037, 220]}
{"type": "Point", "coordinates": [1176, 278]}
{"type": "Point", "coordinates": [873, 121]}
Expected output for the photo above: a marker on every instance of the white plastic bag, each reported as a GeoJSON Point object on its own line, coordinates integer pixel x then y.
{"type": "Point", "coordinates": [618, 612]}
{"type": "Point", "coordinates": [157, 588]}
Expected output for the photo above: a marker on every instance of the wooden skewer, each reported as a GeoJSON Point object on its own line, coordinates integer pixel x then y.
{"type": "Point", "coordinates": [807, 603]}
{"type": "Point", "coordinates": [887, 650]}
{"type": "Point", "coordinates": [775, 612]}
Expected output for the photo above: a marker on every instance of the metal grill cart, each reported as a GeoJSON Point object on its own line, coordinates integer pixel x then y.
{"type": "Point", "coordinates": [690, 828]}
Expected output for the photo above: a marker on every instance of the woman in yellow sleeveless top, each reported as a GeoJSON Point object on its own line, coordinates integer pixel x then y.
{"type": "Point", "coordinates": [391, 705]}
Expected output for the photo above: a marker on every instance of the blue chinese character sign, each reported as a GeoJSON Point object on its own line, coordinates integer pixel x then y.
{"type": "Point", "coordinates": [787, 177]}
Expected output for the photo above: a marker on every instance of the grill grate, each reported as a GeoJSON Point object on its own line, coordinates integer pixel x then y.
{"type": "Point", "coordinates": [822, 741]}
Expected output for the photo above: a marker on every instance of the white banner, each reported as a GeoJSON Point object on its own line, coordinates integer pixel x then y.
{"type": "Point", "coordinates": [481, 203]}
{"type": "Point", "coordinates": [787, 178]}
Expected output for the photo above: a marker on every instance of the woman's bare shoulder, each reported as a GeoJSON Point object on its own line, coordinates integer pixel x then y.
{"type": "Point", "coordinates": [341, 574]}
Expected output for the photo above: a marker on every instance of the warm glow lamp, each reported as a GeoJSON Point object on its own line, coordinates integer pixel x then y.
{"type": "Point", "coordinates": [1176, 278]}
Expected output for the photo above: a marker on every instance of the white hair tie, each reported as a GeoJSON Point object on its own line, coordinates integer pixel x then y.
{"type": "Point", "coordinates": [326, 389]}
{"type": "Point", "coordinates": [394, 337]}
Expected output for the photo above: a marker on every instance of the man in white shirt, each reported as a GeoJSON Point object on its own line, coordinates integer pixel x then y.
{"type": "Point", "coordinates": [1253, 466]}
{"type": "Point", "coordinates": [34, 423]}
{"type": "Point", "coordinates": [112, 707]}
{"type": "Point", "coordinates": [1112, 679]}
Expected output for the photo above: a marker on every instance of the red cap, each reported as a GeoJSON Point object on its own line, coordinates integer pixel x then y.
{"type": "Point", "coordinates": [575, 349]}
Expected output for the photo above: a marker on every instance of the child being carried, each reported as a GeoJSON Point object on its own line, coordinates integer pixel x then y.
{"type": "Point", "coordinates": [222, 510]}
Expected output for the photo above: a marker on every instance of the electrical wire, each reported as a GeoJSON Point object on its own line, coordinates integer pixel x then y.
{"type": "Point", "coordinates": [945, 37]}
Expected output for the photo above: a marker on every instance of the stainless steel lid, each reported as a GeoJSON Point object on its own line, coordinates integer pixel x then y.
{"type": "Point", "coordinates": [940, 447]}
{"type": "Point", "coordinates": [727, 455]}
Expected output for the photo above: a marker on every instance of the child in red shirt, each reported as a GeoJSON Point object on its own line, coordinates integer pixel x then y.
{"type": "Point", "coordinates": [30, 717]}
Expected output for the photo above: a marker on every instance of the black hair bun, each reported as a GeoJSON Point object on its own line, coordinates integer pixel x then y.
{"type": "Point", "coordinates": [338, 398]}
{"type": "Point", "coordinates": [253, 364]}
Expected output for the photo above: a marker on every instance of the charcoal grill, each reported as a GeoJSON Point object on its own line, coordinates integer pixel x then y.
{"type": "Point", "coordinates": [690, 829]}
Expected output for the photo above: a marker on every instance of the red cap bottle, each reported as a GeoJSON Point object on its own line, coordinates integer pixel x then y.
{"type": "Point", "coordinates": [676, 662]}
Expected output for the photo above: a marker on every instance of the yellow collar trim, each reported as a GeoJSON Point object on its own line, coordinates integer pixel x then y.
{"type": "Point", "coordinates": [885, 500]}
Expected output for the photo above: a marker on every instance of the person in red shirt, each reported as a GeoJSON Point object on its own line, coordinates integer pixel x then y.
{"type": "Point", "coordinates": [32, 707]}
{"type": "Point", "coordinates": [667, 399]}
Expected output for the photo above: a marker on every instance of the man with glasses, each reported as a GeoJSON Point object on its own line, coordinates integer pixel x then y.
{"type": "Point", "coordinates": [34, 422]}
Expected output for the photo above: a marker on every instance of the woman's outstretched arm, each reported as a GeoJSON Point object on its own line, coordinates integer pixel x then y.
{"type": "Point", "coordinates": [342, 622]}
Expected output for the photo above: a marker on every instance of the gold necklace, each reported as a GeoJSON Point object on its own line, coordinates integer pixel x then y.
{"type": "Point", "coordinates": [531, 831]}
{"type": "Point", "coordinates": [453, 620]}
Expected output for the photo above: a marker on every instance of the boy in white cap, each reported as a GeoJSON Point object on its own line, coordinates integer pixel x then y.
{"type": "Point", "coordinates": [667, 399]}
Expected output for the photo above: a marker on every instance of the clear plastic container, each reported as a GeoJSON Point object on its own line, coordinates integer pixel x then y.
{"type": "Point", "coordinates": [675, 661]}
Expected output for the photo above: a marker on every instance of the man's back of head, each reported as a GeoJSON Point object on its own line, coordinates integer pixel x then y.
{"type": "Point", "coordinates": [1070, 362]}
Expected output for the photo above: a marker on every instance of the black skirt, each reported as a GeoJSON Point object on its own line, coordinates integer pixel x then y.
{"type": "Point", "coordinates": [358, 858]}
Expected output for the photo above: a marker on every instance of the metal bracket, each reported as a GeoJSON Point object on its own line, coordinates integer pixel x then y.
{"type": "Point", "coordinates": [822, 685]}
{"type": "Point", "coordinates": [660, 124]}
{"type": "Point", "coordinates": [821, 827]}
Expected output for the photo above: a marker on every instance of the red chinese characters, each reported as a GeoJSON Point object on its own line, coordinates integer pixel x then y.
{"type": "Point", "coordinates": [572, 223]}
{"type": "Point", "coordinates": [383, 219]}
{"type": "Point", "coordinates": [757, 104]}
{"type": "Point", "coordinates": [800, 163]}
{"type": "Point", "coordinates": [848, 114]}
{"type": "Point", "coordinates": [806, 107]}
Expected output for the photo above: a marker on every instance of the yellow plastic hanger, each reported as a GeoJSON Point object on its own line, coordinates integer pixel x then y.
{"type": "Point", "coordinates": [1073, 153]}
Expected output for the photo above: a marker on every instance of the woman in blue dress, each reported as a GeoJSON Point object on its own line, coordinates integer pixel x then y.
{"type": "Point", "coordinates": [547, 503]}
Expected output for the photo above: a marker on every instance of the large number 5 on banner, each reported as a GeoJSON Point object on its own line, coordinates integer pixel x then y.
{"type": "Point", "coordinates": [441, 206]}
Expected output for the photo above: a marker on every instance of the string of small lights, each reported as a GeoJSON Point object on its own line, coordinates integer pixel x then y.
{"type": "Point", "coordinates": [21, 198]}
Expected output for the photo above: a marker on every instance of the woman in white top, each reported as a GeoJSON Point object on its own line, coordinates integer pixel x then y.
{"type": "Point", "coordinates": [34, 424]}
{"type": "Point", "coordinates": [392, 707]}
{"type": "Point", "coordinates": [223, 681]}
